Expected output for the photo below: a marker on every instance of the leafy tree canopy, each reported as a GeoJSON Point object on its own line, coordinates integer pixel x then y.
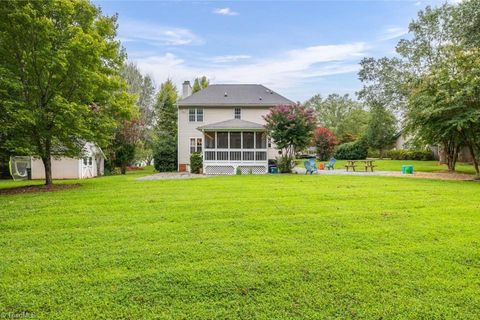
{"type": "Point", "coordinates": [166, 108]}
{"type": "Point", "coordinates": [344, 116]}
{"type": "Point", "coordinates": [59, 65]}
{"type": "Point", "coordinates": [200, 83]}
{"type": "Point", "coordinates": [291, 128]}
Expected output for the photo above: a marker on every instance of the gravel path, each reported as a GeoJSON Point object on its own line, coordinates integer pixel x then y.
{"type": "Point", "coordinates": [424, 175]}
{"type": "Point", "coordinates": [337, 172]}
{"type": "Point", "coordinates": [171, 175]}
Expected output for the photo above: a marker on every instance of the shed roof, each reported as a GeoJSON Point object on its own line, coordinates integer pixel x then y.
{"type": "Point", "coordinates": [241, 95]}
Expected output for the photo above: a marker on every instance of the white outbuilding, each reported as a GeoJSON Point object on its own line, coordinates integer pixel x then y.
{"type": "Point", "coordinates": [90, 165]}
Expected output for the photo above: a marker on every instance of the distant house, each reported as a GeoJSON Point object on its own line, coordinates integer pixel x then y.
{"type": "Point", "coordinates": [225, 123]}
{"type": "Point", "coordinates": [90, 165]}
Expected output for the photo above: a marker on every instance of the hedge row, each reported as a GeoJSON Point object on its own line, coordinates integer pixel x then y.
{"type": "Point", "coordinates": [352, 151]}
{"type": "Point", "coordinates": [410, 155]}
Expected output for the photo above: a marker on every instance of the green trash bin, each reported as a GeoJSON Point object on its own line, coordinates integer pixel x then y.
{"type": "Point", "coordinates": [273, 169]}
{"type": "Point", "coordinates": [407, 169]}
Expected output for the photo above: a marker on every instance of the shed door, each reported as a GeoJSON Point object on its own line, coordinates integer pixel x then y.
{"type": "Point", "coordinates": [87, 167]}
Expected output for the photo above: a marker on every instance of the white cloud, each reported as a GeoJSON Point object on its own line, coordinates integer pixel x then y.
{"type": "Point", "coordinates": [229, 58]}
{"type": "Point", "coordinates": [225, 12]}
{"type": "Point", "coordinates": [393, 32]}
{"type": "Point", "coordinates": [136, 31]}
{"type": "Point", "coordinates": [285, 71]}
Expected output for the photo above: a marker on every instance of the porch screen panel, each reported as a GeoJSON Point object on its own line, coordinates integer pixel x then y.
{"type": "Point", "coordinates": [260, 140]}
{"type": "Point", "coordinates": [222, 140]}
{"type": "Point", "coordinates": [248, 140]}
{"type": "Point", "coordinates": [235, 140]}
{"type": "Point", "coordinates": [210, 140]}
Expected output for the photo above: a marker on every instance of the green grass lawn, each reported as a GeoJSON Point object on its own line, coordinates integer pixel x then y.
{"type": "Point", "coordinates": [265, 247]}
{"type": "Point", "coordinates": [396, 165]}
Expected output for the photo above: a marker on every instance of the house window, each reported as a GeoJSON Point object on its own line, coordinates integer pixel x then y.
{"type": "Point", "coordinates": [199, 114]}
{"type": "Point", "coordinates": [248, 140]}
{"type": "Point", "coordinates": [195, 145]}
{"type": "Point", "coordinates": [191, 115]}
{"type": "Point", "coordinates": [199, 145]}
{"type": "Point", "coordinates": [238, 113]}
{"type": "Point", "coordinates": [195, 115]}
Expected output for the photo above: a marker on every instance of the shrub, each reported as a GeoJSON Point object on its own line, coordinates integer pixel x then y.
{"type": "Point", "coordinates": [238, 171]}
{"type": "Point", "coordinates": [352, 151]}
{"type": "Point", "coordinates": [325, 142]}
{"type": "Point", "coordinates": [165, 154]}
{"type": "Point", "coordinates": [410, 155]}
{"type": "Point", "coordinates": [196, 162]}
{"type": "Point", "coordinates": [372, 153]}
{"type": "Point", "coordinates": [124, 156]}
{"type": "Point", "coordinates": [285, 164]}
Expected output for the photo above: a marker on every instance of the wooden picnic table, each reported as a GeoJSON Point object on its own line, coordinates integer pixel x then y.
{"type": "Point", "coordinates": [367, 164]}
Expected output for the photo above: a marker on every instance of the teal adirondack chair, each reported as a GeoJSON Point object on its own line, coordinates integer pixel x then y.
{"type": "Point", "coordinates": [331, 163]}
{"type": "Point", "coordinates": [309, 167]}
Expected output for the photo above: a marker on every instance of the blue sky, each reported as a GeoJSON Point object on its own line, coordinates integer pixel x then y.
{"type": "Point", "coordinates": [298, 48]}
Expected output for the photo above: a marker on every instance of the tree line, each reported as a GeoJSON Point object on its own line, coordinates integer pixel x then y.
{"type": "Point", "coordinates": [430, 91]}
{"type": "Point", "coordinates": [64, 81]}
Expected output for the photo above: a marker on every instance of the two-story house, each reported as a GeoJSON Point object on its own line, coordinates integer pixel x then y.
{"type": "Point", "coordinates": [225, 123]}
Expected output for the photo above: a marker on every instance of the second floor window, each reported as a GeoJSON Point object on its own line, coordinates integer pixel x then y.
{"type": "Point", "coordinates": [238, 113]}
{"type": "Point", "coordinates": [195, 115]}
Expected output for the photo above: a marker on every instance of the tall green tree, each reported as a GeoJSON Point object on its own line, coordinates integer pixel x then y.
{"type": "Point", "coordinates": [200, 83]}
{"type": "Point", "coordinates": [446, 103]}
{"type": "Point", "coordinates": [382, 130]}
{"type": "Point", "coordinates": [341, 114]}
{"type": "Point", "coordinates": [424, 79]}
{"type": "Point", "coordinates": [62, 62]}
{"type": "Point", "coordinates": [166, 108]}
{"type": "Point", "coordinates": [165, 153]}
{"type": "Point", "coordinates": [143, 88]}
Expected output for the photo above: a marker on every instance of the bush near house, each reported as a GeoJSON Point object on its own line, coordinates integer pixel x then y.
{"type": "Point", "coordinates": [325, 142]}
{"type": "Point", "coordinates": [410, 155]}
{"type": "Point", "coordinates": [352, 151]}
{"type": "Point", "coordinates": [165, 154]}
{"type": "Point", "coordinates": [196, 162]}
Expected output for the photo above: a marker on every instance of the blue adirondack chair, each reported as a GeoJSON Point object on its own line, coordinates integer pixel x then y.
{"type": "Point", "coordinates": [331, 163]}
{"type": "Point", "coordinates": [309, 167]}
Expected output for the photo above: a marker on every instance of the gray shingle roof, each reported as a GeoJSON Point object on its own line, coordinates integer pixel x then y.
{"type": "Point", "coordinates": [234, 124]}
{"type": "Point", "coordinates": [241, 95]}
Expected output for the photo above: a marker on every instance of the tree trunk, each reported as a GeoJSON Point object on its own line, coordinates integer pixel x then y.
{"type": "Point", "coordinates": [381, 153]}
{"type": "Point", "coordinates": [475, 160]}
{"type": "Point", "coordinates": [451, 154]}
{"type": "Point", "coordinates": [123, 169]}
{"type": "Point", "coordinates": [47, 163]}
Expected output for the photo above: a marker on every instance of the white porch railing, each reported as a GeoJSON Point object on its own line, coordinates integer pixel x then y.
{"type": "Point", "coordinates": [235, 155]}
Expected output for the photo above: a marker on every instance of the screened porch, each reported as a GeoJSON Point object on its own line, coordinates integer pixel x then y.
{"type": "Point", "coordinates": [235, 146]}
